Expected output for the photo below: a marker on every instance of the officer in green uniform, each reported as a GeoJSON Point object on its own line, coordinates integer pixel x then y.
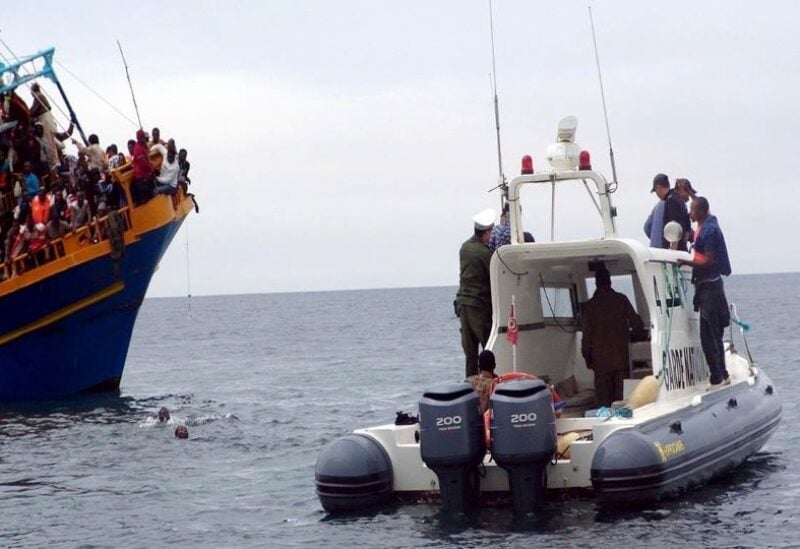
{"type": "Point", "coordinates": [474, 294]}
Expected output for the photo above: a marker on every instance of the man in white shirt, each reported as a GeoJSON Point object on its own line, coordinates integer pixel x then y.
{"type": "Point", "coordinates": [167, 178]}
{"type": "Point", "coordinates": [94, 152]}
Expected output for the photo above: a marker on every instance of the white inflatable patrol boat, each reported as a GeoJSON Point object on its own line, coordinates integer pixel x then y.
{"type": "Point", "coordinates": [672, 433]}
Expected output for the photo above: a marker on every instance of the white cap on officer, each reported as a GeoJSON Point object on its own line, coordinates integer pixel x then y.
{"type": "Point", "coordinates": [484, 220]}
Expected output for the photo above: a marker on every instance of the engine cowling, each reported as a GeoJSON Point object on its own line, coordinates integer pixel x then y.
{"type": "Point", "coordinates": [452, 442]}
{"type": "Point", "coordinates": [523, 438]}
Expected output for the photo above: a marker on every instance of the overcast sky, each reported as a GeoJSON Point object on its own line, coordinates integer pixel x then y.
{"type": "Point", "coordinates": [340, 145]}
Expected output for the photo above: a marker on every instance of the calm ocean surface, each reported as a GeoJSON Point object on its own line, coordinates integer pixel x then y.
{"type": "Point", "coordinates": [265, 381]}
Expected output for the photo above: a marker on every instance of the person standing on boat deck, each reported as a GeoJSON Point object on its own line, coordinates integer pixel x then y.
{"type": "Point", "coordinates": [185, 165]}
{"type": "Point", "coordinates": [40, 207]}
{"type": "Point", "coordinates": [112, 157]}
{"type": "Point", "coordinates": [31, 180]}
{"type": "Point", "coordinates": [40, 112]}
{"type": "Point", "coordinates": [142, 169]}
{"type": "Point", "coordinates": [56, 227]}
{"type": "Point", "coordinates": [6, 184]}
{"type": "Point", "coordinates": [60, 137]}
{"type": "Point", "coordinates": [48, 154]}
{"type": "Point", "coordinates": [482, 381]}
{"type": "Point", "coordinates": [501, 233]}
{"type": "Point", "coordinates": [709, 264]}
{"type": "Point", "coordinates": [79, 212]}
{"type": "Point", "coordinates": [156, 138]}
{"type": "Point", "coordinates": [684, 189]}
{"type": "Point", "coordinates": [672, 209]}
{"type": "Point", "coordinates": [167, 178]}
{"type": "Point", "coordinates": [608, 320]}
{"type": "Point", "coordinates": [474, 298]}
{"type": "Point", "coordinates": [654, 225]}
{"type": "Point", "coordinates": [94, 152]}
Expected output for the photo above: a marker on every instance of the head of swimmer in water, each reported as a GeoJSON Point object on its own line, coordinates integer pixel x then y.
{"type": "Point", "coordinates": [163, 415]}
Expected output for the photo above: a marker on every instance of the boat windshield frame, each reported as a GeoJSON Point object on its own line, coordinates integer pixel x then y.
{"type": "Point", "coordinates": [604, 208]}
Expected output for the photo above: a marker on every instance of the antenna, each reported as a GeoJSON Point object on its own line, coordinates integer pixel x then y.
{"type": "Point", "coordinates": [502, 177]}
{"type": "Point", "coordinates": [128, 75]}
{"type": "Point", "coordinates": [603, 97]}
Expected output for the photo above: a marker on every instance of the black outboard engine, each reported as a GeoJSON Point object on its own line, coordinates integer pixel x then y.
{"type": "Point", "coordinates": [524, 438]}
{"type": "Point", "coordinates": [452, 442]}
{"type": "Point", "coordinates": [353, 473]}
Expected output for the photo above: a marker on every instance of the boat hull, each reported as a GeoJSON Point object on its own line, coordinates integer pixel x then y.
{"type": "Point", "coordinates": [69, 333]}
{"type": "Point", "coordinates": [625, 461]}
{"type": "Point", "coordinates": [661, 458]}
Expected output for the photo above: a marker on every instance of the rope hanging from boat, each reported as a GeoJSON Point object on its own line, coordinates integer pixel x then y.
{"type": "Point", "coordinates": [188, 278]}
{"type": "Point", "coordinates": [744, 327]}
{"type": "Point", "coordinates": [666, 321]}
{"type": "Point", "coordinates": [116, 235]}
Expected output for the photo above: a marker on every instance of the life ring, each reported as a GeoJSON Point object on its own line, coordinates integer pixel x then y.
{"type": "Point", "coordinates": [515, 376]}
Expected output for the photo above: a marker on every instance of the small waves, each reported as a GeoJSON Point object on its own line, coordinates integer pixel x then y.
{"type": "Point", "coordinates": [260, 407]}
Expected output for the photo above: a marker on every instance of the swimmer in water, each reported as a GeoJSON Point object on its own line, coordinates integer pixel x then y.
{"type": "Point", "coordinates": [181, 431]}
{"type": "Point", "coordinates": [163, 415]}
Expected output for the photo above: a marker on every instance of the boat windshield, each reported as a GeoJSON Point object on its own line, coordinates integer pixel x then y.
{"type": "Point", "coordinates": [562, 212]}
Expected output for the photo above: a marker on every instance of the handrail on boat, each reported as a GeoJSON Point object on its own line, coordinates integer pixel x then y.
{"type": "Point", "coordinates": [92, 233]}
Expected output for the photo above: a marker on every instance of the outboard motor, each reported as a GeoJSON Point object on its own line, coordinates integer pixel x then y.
{"type": "Point", "coordinates": [524, 438]}
{"type": "Point", "coordinates": [452, 442]}
{"type": "Point", "coordinates": [353, 473]}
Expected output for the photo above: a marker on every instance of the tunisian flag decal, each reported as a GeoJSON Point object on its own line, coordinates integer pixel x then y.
{"type": "Point", "coordinates": [512, 332]}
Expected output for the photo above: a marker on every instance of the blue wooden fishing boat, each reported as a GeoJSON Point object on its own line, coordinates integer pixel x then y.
{"type": "Point", "coordinates": [67, 312]}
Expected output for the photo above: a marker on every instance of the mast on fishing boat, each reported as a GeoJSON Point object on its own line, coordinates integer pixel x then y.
{"type": "Point", "coordinates": [26, 65]}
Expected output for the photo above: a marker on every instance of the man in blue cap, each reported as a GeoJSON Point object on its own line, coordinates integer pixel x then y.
{"type": "Point", "coordinates": [669, 208]}
{"type": "Point", "coordinates": [474, 298]}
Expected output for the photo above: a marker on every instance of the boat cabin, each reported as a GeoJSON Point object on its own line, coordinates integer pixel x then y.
{"type": "Point", "coordinates": [550, 281]}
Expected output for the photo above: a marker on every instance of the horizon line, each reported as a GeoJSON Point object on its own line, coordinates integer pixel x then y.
{"type": "Point", "coordinates": [369, 289]}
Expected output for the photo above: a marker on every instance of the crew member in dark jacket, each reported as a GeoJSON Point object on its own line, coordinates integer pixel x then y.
{"type": "Point", "coordinates": [474, 294]}
{"type": "Point", "coordinates": [674, 210]}
{"type": "Point", "coordinates": [608, 320]}
{"type": "Point", "coordinates": [709, 264]}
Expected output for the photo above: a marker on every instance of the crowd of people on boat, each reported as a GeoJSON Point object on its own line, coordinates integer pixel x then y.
{"type": "Point", "coordinates": [608, 316]}
{"type": "Point", "coordinates": [46, 193]}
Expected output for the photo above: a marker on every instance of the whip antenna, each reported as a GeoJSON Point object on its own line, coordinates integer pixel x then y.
{"type": "Point", "coordinates": [128, 75]}
{"type": "Point", "coordinates": [603, 97]}
{"type": "Point", "coordinates": [502, 177]}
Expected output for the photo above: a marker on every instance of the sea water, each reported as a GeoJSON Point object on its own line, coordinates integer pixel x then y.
{"type": "Point", "coordinates": [264, 382]}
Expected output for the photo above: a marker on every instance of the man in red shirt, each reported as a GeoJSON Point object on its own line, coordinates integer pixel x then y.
{"type": "Point", "coordinates": [142, 170]}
